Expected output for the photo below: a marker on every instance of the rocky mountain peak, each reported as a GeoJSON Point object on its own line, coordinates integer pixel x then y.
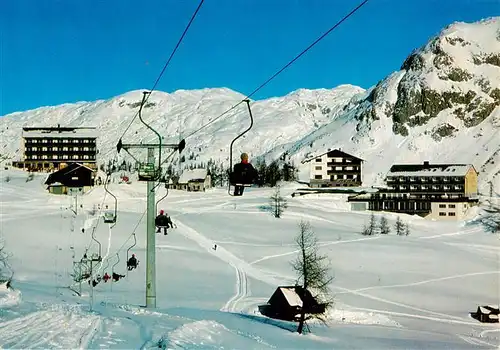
{"type": "Point", "coordinates": [456, 74]}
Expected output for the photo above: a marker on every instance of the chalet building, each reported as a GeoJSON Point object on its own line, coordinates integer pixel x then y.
{"type": "Point", "coordinates": [434, 191]}
{"type": "Point", "coordinates": [287, 302]}
{"type": "Point", "coordinates": [49, 148]}
{"type": "Point", "coordinates": [73, 176]}
{"type": "Point", "coordinates": [486, 314]}
{"type": "Point", "coordinates": [334, 169]}
{"type": "Point", "coordinates": [192, 180]}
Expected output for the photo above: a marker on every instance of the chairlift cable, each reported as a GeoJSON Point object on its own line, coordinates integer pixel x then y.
{"type": "Point", "coordinates": [100, 212]}
{"type": "Point", "coordinates": [133, 232]}
{"type": "Point", "coordinates": [168, 61]}
{"type": "Point", "coordinates": [282, 69]}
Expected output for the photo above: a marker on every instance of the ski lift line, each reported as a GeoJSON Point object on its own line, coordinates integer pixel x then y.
{"type": "Point", "coordinates": [159, 182]}
{"type": "Point", "coordinates": [144, 99]}
{"type": "Point", "coordinates": [100, 212]}
{"type": "Point", "coordinates": [132, 234]}
{"type": "Point", "coordinates": [168, 61]}
{"type": "Point", "coordinates": [284, 67]}
{"type": "Point", "coordinates": [134, 230]}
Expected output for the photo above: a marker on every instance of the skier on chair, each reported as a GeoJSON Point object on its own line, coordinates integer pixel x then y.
{"type": "Point", "coordinates": [161, 221]}
{"type": "Point", "coordinates": [244, 173]}
{"type": "Point", "coordinates": [132, 263]}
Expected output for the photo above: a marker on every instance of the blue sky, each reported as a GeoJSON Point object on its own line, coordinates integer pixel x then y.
{"type": "Point", "coordinates": [60, 51]}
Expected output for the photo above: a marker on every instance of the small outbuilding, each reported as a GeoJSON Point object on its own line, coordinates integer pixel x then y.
{"type": "Point", "coordinates": [74, 175]}
{"type": "Point", "coordinates": [287, 301]}
{"type": "Point", "coordinates": [192, 180]}
{"type": "Point", "coordinates": [486, 314]}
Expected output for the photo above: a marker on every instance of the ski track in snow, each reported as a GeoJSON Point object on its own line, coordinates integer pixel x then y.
{"type": "Point", "coordinates": [242, 291]}
{"type": "Point", "coordinates": [424, 281]}
{"type": "Point", "coordinates": [406, 306]}
{"type": "Point", "coordinates": [321, 245]}
{"type": "Point", "coordinates": [476, 342]}
{"type": "Point", "coordinates": [458, 233]}
{"type": "Point", "coordinates": [242, 267]}
{"type": "Point", "coordinates": [55, 329]}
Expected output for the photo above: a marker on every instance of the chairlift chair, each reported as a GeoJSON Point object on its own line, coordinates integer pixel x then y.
{"type": "Point", "coordinates": [148, 172]}
{"type": "Point", "coordinates": [233, 177]}
{"type": "Point", "coordinates": [113, 271]}
{"type": "Point", "coordinates": [96, 256]}
{"type": "Point", "coordinates": [110, 216]}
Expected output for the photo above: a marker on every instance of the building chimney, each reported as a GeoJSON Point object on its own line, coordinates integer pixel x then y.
{"type": "Point", "coordinates": [426, 163]}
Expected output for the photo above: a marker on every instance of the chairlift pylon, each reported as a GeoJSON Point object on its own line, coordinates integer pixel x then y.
{"type": "Point", "coordinates": [232, 176]}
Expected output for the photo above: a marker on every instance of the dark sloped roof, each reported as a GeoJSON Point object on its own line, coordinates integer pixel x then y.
{"type": "Point", "coordinates": [333, 153]}
{"type": "Point", "coordinates": [57, 175]}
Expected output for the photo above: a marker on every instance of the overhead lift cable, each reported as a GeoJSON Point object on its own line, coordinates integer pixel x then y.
{"type": "Point", "coordinates": [168, 61]}
{"type": "Point", "coordinates": [282, 69]}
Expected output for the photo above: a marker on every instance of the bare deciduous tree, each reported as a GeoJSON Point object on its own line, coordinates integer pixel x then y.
{"type": "Point", "coordinates": [278, 203]}
{"type": "Point", "coordinates": [6, 272]}
{"type": "Point", "coordinates": [384, 226]}
{"type": "Point", "coordinates": [313, 272]}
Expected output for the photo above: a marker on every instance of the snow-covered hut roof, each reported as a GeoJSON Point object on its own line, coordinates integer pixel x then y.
{"type": "Point", "coordinates": [291, 296]}
{"type": "Point", "coordinates": [430, 170]}
{"type": "Point", "coordinates": [193, 175]}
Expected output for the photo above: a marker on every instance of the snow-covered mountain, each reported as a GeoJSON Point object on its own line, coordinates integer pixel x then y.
{"type": "Point", "coordinates": [276, 120]}
{"type": "Point", "coordinates": [442, 106]}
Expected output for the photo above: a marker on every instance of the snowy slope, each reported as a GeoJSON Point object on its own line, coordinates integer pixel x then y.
{"type": "Point", "coordinates": [442, 106]}
{"type": "Point", "coordinates": [391, 292]}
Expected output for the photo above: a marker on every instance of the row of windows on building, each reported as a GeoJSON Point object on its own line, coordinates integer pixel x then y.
{"type": "Point", "coordinates": [337, 177]}
{"type": "Point", "coordinates": [339, 168]}
{"type": "Point", "coordinates": [425, 179]}
{"type": "Point", "coordinates": [427, 188]}
{"type": "Point", "coordinates": [64, 156]}
{"type": "Point", "coordinates": [404, 205]}
{"type": "Point", "coordinates": [335, 160]}
{"type": "Point", "coordinates": [66, 148]}
{"type": "Point", "coordinates": [60, 140]}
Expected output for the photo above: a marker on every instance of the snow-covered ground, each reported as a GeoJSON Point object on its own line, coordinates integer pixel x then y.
{"type": "Point", "coordinates": [392, 292]}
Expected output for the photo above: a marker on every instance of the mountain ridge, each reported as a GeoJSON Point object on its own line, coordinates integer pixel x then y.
{"type": "Point", "coordinates": [441, 105]}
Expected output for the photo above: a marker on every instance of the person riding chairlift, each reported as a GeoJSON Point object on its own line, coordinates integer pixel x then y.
{"type": "Point", "coordinates": [106, 277]}
{"type": "Point", "coordinates": [132, 262]}
{"type": "Point", "coordinates": [163, 221]}
{"type": "Point", "coordinates": [244, 173]}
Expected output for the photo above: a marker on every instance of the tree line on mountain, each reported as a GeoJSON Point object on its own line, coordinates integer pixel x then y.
{"type": "Point", "coordinates": [269, 174]}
